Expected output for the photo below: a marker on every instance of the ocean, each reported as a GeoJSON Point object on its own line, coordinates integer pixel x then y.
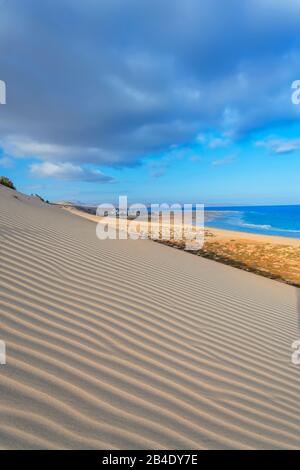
{"type": "Point", "coordinates": [267, 220]}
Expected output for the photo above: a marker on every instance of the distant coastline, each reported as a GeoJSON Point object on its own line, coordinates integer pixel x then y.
{"type": "Point", "coordinates": [281, 221]}
{"type": "Point", "coordinates": [275, 257]}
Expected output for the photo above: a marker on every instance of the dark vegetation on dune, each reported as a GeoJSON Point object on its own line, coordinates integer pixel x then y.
{"type": "Point", "coordinates": [41, 198]}
{"type": "Point", "coordinates": [7, 182]}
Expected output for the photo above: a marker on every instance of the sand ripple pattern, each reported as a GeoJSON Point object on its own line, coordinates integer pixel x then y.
{"type": "Point", "coordinates": [122, 344]}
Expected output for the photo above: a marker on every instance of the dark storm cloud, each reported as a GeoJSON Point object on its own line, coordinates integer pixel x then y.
{"type": "Point", "coordinates": [108, 82]}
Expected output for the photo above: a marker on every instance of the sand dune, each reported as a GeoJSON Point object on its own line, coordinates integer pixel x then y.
{"type": "Point", "coordinates": [132, 344]}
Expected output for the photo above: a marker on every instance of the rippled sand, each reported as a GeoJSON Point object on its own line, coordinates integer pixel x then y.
{"type": "Point", "coordinates": [132, 344]}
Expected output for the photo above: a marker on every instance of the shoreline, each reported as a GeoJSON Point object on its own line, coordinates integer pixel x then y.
{"type": "Point", "coordinates": [218, 232]}
{"type": "Point", "coordinates": [273, 237]}
{"type": "Point", "coordinates": [270, 256]}
{"type": "Point", "coordinates": [256, 237]}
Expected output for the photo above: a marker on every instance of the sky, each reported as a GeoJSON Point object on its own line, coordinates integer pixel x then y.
{"type": "Point", "coordinates": [163, 101]}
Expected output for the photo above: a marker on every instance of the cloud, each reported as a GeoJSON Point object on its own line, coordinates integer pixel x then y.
{"type": "Point", "coordinates": [211, 141]}
{"type": "Point", "coordinates": [24, 147]}
{"type": "Point", "coordinates": [195, 158]}
{"type": "Point", "coordinates": [224, 160]}
{"type": "Point", "coordinates": [280, 146]}
{"type": "Point", "coordinates": [160, 167]}
{"type": "Point", "coordinates": [68, 171]}
{"type": "Point", "coordinates": [6, 162]}
{"type": "Point", "coordinates": [219, 142]}
{"type": "Point", "coordinates": [116, 85]}
{"type": "Point", "coordinates": [159, 172]}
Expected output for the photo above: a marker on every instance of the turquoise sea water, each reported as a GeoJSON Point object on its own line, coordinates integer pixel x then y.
{"type": "Point", "coordinates": [267, 220]}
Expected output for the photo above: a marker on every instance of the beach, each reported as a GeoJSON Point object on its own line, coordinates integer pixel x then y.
{"type": "Point", "coordinates": [271, 256]}
{"type": "Point", "coordinates": [122, 344]}
{"type": "Point", "coordinates": [275, 257]}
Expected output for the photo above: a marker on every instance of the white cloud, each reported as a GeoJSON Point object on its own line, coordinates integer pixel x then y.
{"type": "Point", "coordinates": [195, 158]}
{"type": "Point", "coordinates": [21, 147]}
{"type": "Point", "coordinates": [68, 171]}
{"type": "Point", "coordinates": [219, 142]}
{"type": "Point", "coordinates": [224, 160]}
{"type": "Point", "coordinates": [280, 146]}
{"type": "Point", "coordinates": [6, 162]}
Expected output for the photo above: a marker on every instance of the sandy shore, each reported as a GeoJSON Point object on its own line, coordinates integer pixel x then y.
{"type": "Point", "coordinates": [227, 235]}
{"type": "Point", "coordinates": [132, 344]}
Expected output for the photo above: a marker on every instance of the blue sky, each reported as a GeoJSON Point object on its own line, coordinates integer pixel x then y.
{"type": "Point", "coordinates": [164, 101]}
